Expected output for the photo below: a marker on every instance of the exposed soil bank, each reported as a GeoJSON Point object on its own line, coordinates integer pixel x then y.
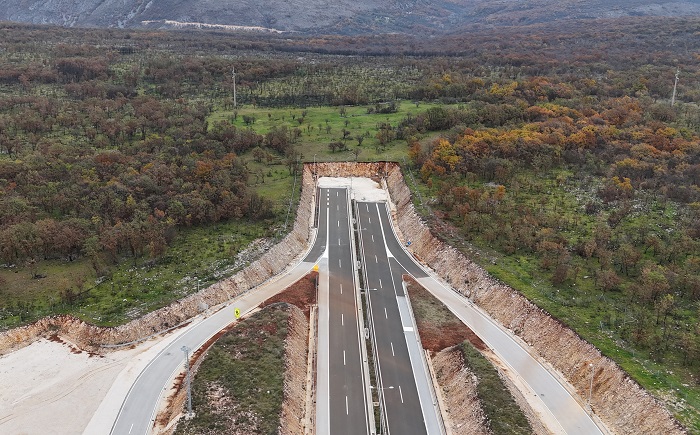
{"type": "Point", "coordinates": [87, 336]}
{"type": "Point", "coordinates": [458, 384]}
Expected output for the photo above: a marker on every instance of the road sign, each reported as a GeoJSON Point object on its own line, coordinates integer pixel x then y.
{"type": "Point", "coordinates": [315, 267]}
{"type": "Point", "coordinates": [237, 312]}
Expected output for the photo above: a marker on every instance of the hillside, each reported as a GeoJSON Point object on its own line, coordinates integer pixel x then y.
{"type": "Point", "coordinates": [343, 17]}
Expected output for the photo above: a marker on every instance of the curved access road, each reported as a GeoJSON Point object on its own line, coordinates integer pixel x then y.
{"type": "Point", "coordinates": [137, 413]}
{"type": "Point", "coordinates": [569, 415]}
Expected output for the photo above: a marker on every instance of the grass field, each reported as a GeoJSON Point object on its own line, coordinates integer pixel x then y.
{"type": "Point", "coordinates": [323, 125]}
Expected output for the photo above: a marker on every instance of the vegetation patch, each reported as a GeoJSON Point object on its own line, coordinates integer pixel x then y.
{"type": "Point", "coordinates": [440, 329]}
{"type": "Point", "coordinates": [503, 414]}
{"type": "Point", "coordinates": [238, 388]}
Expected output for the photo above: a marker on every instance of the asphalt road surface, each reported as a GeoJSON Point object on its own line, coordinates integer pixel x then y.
{"type": "Point", "coordinates": [408, 408]}
{"type": "Point", "coordinates": [341, 399]}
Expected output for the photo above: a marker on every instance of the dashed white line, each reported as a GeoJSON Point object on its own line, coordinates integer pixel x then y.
{"type": "Point", "coordinates": [338, 224]}
{"type": "Point", "coordinates": [385, 314]}
{"type": "Point", "coordinates": [340, 264]}
{"type": "Point", "coordinates": [342, 320]}
{"type": "Point", "coordinates": [373, 237]}
{"type": "Point", "coordinates": [400, 394]}
{"type": "Point", "coordinates": [344, 358]}
{"type": "Point", "coordinates": [341, 289]}
{"type": "Point", "coordinates": [367, 205]}
{"type": "Point", "coordinates": [132, 426]}
{"type": "Point", "coordinates": [346, 405]}
{"type": "Point", "coordinates": [380, 283]}
{"type": "Point", "coordinates": [375, 259]}
{"type": "Point", "coordinates": [370, 219]}
{"type": "Point", "coordinates": [338, 242]}
{"type": "Point", "coordinates": [392, 348]}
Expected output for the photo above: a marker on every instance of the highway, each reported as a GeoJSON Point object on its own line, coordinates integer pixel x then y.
{"type": "Point", "coordinates": [402, 380]}
{"type": "Point", "coordinates": [342, 399]}
{"type": "Point", "coordinates": [342, 406]}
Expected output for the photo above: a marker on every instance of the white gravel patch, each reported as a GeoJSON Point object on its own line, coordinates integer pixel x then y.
{"type": "Point", "coordinates": [363, 189]}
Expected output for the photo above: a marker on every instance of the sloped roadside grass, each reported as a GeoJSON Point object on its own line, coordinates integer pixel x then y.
{"type": "Point", "coordinates": [238, 388]}
{"type": "Point", "coordinates": [504, 415]}
{"type": "Point", "coordinates": [439, 329]}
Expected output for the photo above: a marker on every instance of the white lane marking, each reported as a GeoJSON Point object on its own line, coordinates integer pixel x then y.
{"type": "Point", "coordinates": [341, 289]}
{"type": "Point", "coordinates": [132, 426]}
{"type": "Point", "coordinates": [372, 237]}
{"type": "Point", "coordinates": [385, 314]}
{"type": "Point", "coordinates": [338, 224]}
{"type": "Point", "coordinates": [380, 283]}
{"type": "Point", "coordinates": [338, 242]}
{"type": "Point", "coordinates": [339, 264]}
{"type": "Point", "coordinates": [375, 259]}
{"type": "Point", "coordinates": [342, 320]}
{"type": "Point", "coordinates": [367, 205]}
{"type": "Point", "coordinates": [346, 405]}
{"type": "Point", "coordinates": [400, 394]}
{"type": "Point", "coordinates": [344, 358]}
{"type": "Point", "coordinates": [392, 348]}
{"type": "Point", "coordinates": [370, 219]}
{"type": "Point", "coordinates": [337, 207]}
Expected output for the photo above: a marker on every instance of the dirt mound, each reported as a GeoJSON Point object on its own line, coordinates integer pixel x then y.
{"type": "Point", "coordinates": [623, 405]}
{"type": "Point", "coordinates": [302, 294]}
{"type": "Point", "coordinates": [458, 385]}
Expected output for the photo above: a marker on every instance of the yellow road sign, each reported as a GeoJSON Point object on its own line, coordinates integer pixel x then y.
{"type": "Point", "coordinates": [237, 312]}
{"type": "Point", "coordinates": [315, 267]}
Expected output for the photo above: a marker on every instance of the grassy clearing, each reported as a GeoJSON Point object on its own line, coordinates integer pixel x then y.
{"type": "Point", "coordinates": [239, 385]}
{"type": "Point", "coordinates": [323, 125]}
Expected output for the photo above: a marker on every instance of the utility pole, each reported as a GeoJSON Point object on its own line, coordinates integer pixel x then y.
{"type": "Point", "coordinates": [189, 414]}
{"type": "Point", "coordinates": [675, 84]}
{"type": "Point", "coordinates": [233, 72]}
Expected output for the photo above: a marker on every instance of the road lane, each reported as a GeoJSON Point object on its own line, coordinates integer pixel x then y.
{"type": "Point", "coordinates": [403, 410]}
{"type": "Point", "coordinates": [345, 409]}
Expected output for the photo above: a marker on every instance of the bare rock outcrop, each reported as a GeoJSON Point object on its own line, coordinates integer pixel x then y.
{"type": "Point", "coordinates": [458, 384]}
{"type": "Point", "coordinates": [624, 406]}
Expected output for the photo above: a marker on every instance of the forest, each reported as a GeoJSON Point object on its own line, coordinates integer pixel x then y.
{"type": "Point", "coordinates": [551, 155]}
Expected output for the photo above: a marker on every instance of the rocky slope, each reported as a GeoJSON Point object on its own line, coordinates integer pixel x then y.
{"type": "Point", "coordinates": [623, 405]}
{"type": "Point", "coordinates": [339, 16]}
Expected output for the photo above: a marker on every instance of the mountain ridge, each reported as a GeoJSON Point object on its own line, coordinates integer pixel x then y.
{"type": "Point", "coordinates": [324, 16]}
